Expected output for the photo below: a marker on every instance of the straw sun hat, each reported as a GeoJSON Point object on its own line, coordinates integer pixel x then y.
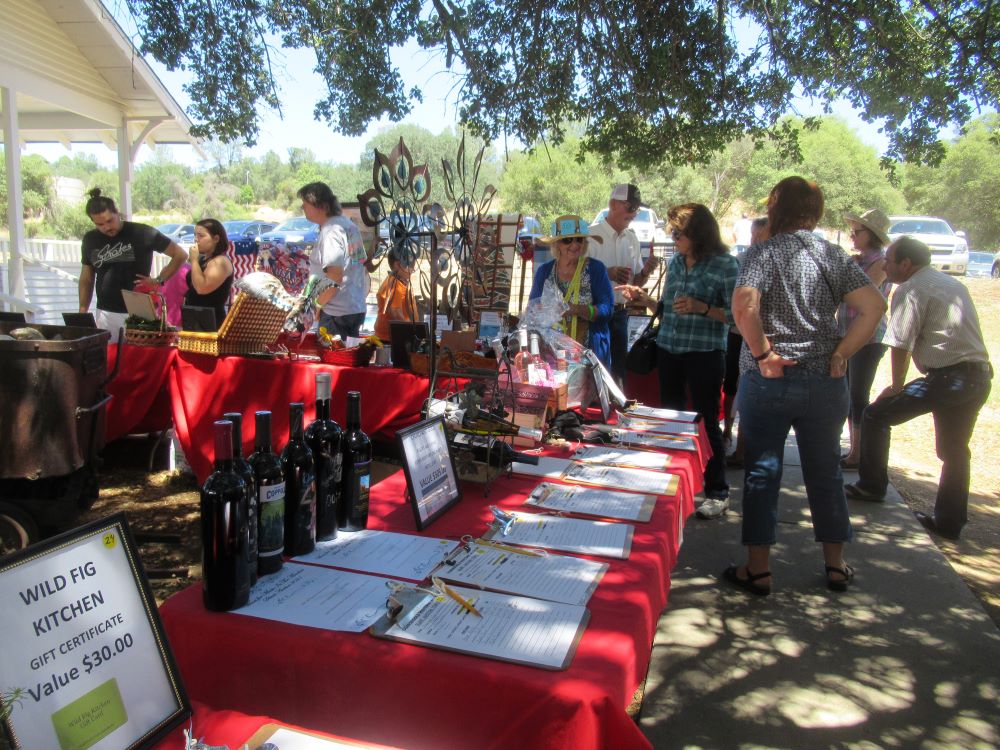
{"type": "Point", "coordinates": [875, 221]}
{"type": "Point", "coordinates": [566, 227]}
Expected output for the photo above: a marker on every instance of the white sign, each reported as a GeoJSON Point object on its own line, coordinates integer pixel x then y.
{"type": "Point", "coordinates": [83, 643]}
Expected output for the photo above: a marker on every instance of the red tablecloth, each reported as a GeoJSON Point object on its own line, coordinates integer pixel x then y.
{"type": "Point", "coordinates": [203, 388]}
{"type": "Point", "coordinates": [141, 400]}
{"type": "Point", "coordinates": [414, 697]}
{"type": "Point", "coordinates": [229, 728]}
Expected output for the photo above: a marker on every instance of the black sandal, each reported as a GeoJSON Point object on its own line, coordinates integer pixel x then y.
{"type": "Point", "coordinates": [839, 585]}
{"type": "Point", "coordinates": [747, 584]}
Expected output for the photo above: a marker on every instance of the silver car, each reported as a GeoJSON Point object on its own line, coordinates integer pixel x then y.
{"type": "Point", "coordinates": [949, 250]}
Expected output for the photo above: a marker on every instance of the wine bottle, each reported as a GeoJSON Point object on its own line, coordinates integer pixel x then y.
{"type": "Point", "coordinates": [523, 356]}
{"type": "Point", "coordinates": [242, 467]}
{"type": "Point", "coordinates": [356, 468]}
{"type": "Point", "coordinates": [539, 372]}
{"type": "Point", "coordinates": [500, 454]}
{"type": "Point", "coordinates": [269, 480]}
{"type": "Point", "coordinates": [300, 488]}
{"type": "Point", "coordinates": [225, 565]}
{"type": "Point", "coordinates": [323, 436]}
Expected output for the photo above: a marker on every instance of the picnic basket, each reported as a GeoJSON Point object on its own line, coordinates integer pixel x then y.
{"type": "Point", "coordinates": [156, 333]}
{"type": "Point", "coordinates": [251, 325]}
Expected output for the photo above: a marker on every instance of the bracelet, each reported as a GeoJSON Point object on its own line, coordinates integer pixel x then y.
{"type": "Point", "coordinates": [708, 309]}
{"type": "Point", "coordinates": [593, 312]}
{"type": "Point", "coordinates": [765, 355]}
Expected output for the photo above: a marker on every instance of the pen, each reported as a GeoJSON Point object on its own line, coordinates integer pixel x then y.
{"type": "Point", "coordinates": [506, 548]}
{"type": "Point", "coordinates": [454, 595]}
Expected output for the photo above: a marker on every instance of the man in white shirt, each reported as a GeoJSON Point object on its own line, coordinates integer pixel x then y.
{"type": "Point", "coordinates": [933, 321]}
{"type": "Point", "coordinates": [339, 255]}
{"type": "Point", "coordinates": [617, 246]}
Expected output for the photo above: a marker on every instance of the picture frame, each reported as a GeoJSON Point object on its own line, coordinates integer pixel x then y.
{"type": "Point", "coordinates": [116, 685]}
{"type": "Point", "coordinates": [636, 324]}
{"type": "Point", "coordinates": [431, 480]}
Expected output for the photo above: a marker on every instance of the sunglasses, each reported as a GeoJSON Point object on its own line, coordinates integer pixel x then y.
{"type": "Point", "coordinates": [856, 232]}
{"type": "Point", "coordinates": [570, 240]}
{"type": "Point", "coordinates": [676, 234]}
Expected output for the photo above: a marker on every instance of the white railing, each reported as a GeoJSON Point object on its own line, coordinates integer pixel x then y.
{"type": "Point", "coordinates": [51, 273]}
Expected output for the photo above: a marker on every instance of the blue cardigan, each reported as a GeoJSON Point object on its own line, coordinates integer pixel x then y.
{"type": "Point", "coordinates": [598, 334]}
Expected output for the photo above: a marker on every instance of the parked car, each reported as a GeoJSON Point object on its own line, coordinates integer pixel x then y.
{"type": "Point", "coordinates": [286, 250]}
{"type": "Point", "coordinates": [649, 228]}
{"type": "Point", "coordinates": [245, 235]}
{"type": "Point", "coordinates": [949, 250]}
{"type": "Point", "coordinates": [182, 234]}
{"type": "Point", "coordinates": [980, 265]}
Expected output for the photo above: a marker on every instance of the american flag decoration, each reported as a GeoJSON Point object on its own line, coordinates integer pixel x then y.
{"type": "Point", "coordinates": [244, 259]}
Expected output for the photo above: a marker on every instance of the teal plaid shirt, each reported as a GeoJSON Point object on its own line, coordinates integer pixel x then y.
{"type": "Point", "coordinates": [710, 280]}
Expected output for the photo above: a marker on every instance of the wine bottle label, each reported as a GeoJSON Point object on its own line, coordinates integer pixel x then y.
{"type": "Point", "coordinates": [271, 534]}
{"type": "Point", "coordinates": [307, 506]}
{"type": "Point", "coordinates": [337, 461]}
{"type": "Point", "coordinates": [362, 475]}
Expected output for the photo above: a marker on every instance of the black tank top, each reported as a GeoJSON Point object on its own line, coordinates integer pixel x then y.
{"type": "Point", "coordinates": [216, 299]}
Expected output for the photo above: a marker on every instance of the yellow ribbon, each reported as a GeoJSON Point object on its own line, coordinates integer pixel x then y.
{"type": "Point", "coordinates": [571, 290]}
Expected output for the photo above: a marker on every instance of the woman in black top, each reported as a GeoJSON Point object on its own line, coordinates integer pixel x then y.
{"type": "Point", "coordinates": [211, 270]}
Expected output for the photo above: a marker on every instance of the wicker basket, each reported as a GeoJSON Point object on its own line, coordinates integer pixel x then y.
{"type": "Point", "coordinates": [164, 335]}
{"type": "Point", "coordinates": [355, 356]}
{"type": "Point", "coordinates": [251, 326]}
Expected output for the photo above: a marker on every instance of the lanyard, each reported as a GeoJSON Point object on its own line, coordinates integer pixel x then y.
{"type": "Point", "coordinates": [573, 290]}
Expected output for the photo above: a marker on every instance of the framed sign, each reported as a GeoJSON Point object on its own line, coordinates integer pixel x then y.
{"type": "Point", "coordinates": [84, 662]}
{"type": "Point", "coordinates": [430, 470]}
{"type": "Point", "coordinates": [636, 325]}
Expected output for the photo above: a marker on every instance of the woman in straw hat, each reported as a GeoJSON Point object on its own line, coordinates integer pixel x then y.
{"type": "Point", "coordinates": [869, 233]}
{"type": "Point", "coordinates": [582, 282]}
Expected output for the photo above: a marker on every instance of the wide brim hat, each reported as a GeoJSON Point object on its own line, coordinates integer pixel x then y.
{"type": "Point", "coordinates": [566, 227]}
{"type": "Point", "coordinates": [874, 221]}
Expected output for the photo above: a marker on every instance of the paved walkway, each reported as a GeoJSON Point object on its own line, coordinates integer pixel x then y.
{"type": "Point", "coordinates": [906, 658]}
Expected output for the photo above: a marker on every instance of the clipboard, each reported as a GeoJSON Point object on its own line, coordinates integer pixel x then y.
{"type": "Point", "coordinates": [525, 531]}
{"type": "Point", "coordinates": [139, 305]}
{"type": "Point", "coordinates": [421, 617]}
{"type": "Point", "coordinates": [592, 502]}
{"type": "Point", "coordinates": [616, 478]}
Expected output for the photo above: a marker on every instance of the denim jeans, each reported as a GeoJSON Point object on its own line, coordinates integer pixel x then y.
{"type": "Point", "coordinates": [699, 373]}
{"type": "Point", "coordinates": [344, 325]}
{"type": "Point", "coordinates": [861, 370]}
{"type": "Point", "coordinates": [815, 406]}
{"type": "Point", "coordinates": [954, 396]}
{"type": "Point", "coordinates": [618, 326]}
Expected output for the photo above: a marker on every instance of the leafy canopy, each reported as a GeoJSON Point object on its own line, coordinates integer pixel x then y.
{"type": "Point", "coordinates": [671, 79]}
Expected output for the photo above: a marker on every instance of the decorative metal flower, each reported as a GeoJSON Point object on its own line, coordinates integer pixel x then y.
{"type": "Point", "coordinates": [399, 188]}
{"type": "Point", "coordinates": [462, 192]}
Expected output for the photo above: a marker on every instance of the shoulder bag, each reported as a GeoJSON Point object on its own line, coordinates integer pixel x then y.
{"type": "Point", "coordinates": [642, 356]}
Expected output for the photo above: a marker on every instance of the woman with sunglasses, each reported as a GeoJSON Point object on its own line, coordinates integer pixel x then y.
{"type": "Point", "coordinates": [869, 233]}
{"type": "Point", "coordinates": [582, 282]}
{"type": "Point", "coordinates": [694, 332]}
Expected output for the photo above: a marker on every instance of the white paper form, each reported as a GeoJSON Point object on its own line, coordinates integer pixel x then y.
{"type": "Point", "coordinates": [548, 467]}
{"type": "Point", "coordinates": [656, 440]}
{"type": "Point", "coordinates": [285, 738]}
{"type": "Point", "coordinates": [516, 629]}
{"type": "Point", "coordinates": [628, 506]}
{"type": "Point", "coordinates": [617, 478]}
{"type": "Point", "coordinates": [612, 455]}
{"type": "Point", "coordinates": [318, 598]}
{"type": "Point", "coordinates": [568, 534]}
{"type": "Point", "coordinates": [383, 552]}
{"type": "Point", "coordinates": [555, 578]}
{"type": "Point", "coordinates": [655, 425]}
{"type": "Point", "coordinates": [672, 415]}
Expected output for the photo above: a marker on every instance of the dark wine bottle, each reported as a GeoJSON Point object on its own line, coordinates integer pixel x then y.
{"type": "Point", "coordinates": [242, 467]}
{"type": "Point", "coordinates": [323, 437]}
{"type": "Point", "coordinates": [270, 482]}
{"type": "Point", "coordinates": [225, 565]}
{"type": "Point", "coordinates": [300, 487]}
{"type": "Point", "coordinates": [356, 468]}
{"type": "Point", "coordinates": [500, 454]}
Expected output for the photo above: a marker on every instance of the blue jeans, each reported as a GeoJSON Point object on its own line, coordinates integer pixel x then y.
{"type": "Point", "coordinates": [344, 325]}
{"type": "Point", "coordinates": [954, 395]}
{"type": "Point", "coordinates": [815, 406]}
{"type": "Point", "coordinates": [861, 370]}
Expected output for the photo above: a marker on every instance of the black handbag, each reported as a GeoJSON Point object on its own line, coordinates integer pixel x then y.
{"type": "Point", "coordinates": [641, 358]}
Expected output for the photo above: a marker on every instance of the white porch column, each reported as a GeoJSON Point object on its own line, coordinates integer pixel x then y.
{"type": "Point", "coordinates": [125, 171]}
{"type": "Point", "coordinates": [15, 200]}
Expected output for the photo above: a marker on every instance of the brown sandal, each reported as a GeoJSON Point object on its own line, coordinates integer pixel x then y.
{"type": "Point", "coordinates": [747, 584]}
{"type": "Point", "coordinates": [835, 584]}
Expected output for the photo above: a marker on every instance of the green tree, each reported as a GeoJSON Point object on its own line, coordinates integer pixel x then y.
{"type": "Point", "coordinates": [847, 170]}
{"type": "Point", "coordinates": [680, 78]}
{"type": "Point", "coordinates": [965, 188]}
{"type": "Point", "coordinates": [157, 181]}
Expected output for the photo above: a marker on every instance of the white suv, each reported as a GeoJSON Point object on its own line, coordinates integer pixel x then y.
{"type": "Point", "coordinates": [648, 227]}
{"type": "Point", "coordinates": [949, 250]}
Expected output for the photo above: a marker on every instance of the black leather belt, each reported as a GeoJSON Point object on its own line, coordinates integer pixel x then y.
{"type": "Point", "coordinates": [968, 366]}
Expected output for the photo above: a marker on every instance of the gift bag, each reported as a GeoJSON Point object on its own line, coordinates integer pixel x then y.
{"type": "Point", "coordinates": [642, 356]}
